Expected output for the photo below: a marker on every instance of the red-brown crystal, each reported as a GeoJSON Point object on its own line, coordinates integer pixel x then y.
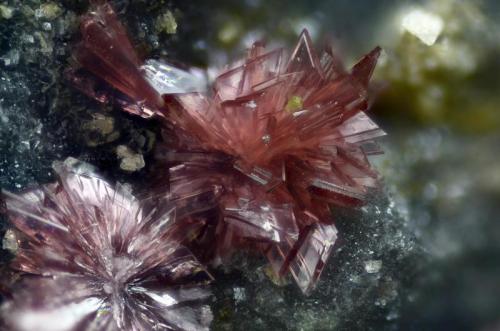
{"type": "Point", "coordinates": [276, 142]}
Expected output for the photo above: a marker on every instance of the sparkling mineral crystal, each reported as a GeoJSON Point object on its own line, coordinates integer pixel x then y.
{"type": "Point", "coordinates": [276, 142]}
{"type": "Point", "coordinates": [93, 257]}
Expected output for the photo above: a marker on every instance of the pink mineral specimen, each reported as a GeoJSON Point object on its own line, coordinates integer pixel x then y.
{"type": "Point", "coordinates": [277, 141]}
{"type": "Point", "coordinates": [93, 257]}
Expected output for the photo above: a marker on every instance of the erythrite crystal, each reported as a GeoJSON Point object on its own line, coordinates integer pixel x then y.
{"type": "Point", "coordinates": [99, 259]}
{"type": "Point", "coordinates": [276, 143]}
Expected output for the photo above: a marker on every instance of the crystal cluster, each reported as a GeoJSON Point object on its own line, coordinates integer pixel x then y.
{"type": "Point", "coordinates": [93, 257]}
{"type": "Point", "coordinates": [280, 140]}
{"type": "Point", "coordinates": [266, 152]}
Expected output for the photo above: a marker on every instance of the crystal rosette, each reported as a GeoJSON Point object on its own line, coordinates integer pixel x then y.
{"type": "Point", "coordinates": [93, 257]}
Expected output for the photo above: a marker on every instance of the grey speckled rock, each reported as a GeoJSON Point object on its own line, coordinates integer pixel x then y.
{"type": "Point", "coordinates": [448, 186]}
{"type": "Point", "coordinates": [33, 40]}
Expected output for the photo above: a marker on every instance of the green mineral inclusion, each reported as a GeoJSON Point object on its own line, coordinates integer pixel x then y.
{"type": "Point", "coordinates": [295, 103]}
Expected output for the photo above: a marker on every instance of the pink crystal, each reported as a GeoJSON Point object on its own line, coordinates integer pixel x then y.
{"type": "Point", "coordinates": [93, 257]}
{"type": "Point", "coordinates": [274, 145]}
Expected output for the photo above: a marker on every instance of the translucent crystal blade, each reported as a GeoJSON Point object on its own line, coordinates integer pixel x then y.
{"type": "Point", "coordinates": [304, 56]}
{"type": "Point", "coordinates": [363, 70]}
{"type": "Point", "coordinates": [167, 79]}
